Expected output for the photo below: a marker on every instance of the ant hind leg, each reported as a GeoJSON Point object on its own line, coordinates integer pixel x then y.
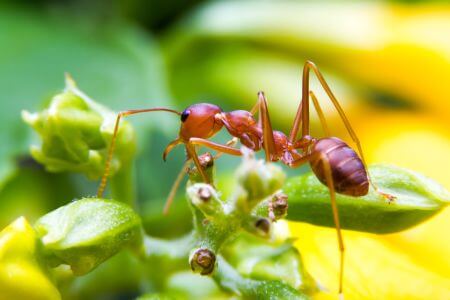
{"type": "Point", "coordinates": [330, 184]}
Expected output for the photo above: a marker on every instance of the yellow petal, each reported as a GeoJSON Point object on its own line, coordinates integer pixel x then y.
{"type": "Point", "coordinates": [416, 141]}
{"type": "Point", "coordinates": [21, 277]}
{"type": "Point", "coordinates": [373, 268]}
{"type": "Point", "coordinates": [428, 244]}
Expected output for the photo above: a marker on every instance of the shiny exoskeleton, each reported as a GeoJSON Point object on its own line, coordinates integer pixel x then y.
{"type": "Point", "coordinates": [334, 162]}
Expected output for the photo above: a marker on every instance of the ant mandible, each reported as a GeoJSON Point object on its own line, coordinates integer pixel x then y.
{"type": "Point", "coordinates": [334, 162]}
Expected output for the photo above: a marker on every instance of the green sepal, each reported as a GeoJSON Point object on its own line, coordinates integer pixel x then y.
{"type": "Point", "coordinates": [259, 179]}
{"type": "Point", "coordinates": [416, 199]}
{"type": "Point", "coordinates": [86, 232]}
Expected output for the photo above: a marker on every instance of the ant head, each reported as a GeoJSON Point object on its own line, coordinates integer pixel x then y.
{"type": "Point", "coordinates": [199, 120]}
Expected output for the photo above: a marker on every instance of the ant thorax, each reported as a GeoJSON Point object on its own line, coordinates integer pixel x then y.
{"type": "Point", "coordinates": [242, 124]}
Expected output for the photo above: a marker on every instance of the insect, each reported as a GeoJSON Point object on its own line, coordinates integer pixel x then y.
{"type": "Point", "coordinates": [334, 162]}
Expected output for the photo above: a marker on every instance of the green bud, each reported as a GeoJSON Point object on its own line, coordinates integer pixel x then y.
{"type": "Point", "coordinates": [207, 162]}
{"type": "Point", "coordinates": [258, 226]}
{"type": "Point", "coordinates": [416, 199]}
{"type": "Point", "coordinates": [86, 232]}
{"type": "Point", "coordinates": [259, 179]}
{"type": "Point", "coordinates": [274, 208]}
{"type": "Point", "coordinates": [21, 274]}
{"type": "Point", "coordinates": [205, 198]}
{"type": "Point", "coordinates": [76, 132]}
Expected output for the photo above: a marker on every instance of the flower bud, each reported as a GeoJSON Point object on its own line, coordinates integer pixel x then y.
{"type": "Point", "coordinates": [263, 226]}
{"type": "Point", "coordinates": [205, 198]}
{"type": "Point", "coordinates": [75, 132]}
{"type": "Point", "coordinates": [203, 261]}
{"type": "Point", "coordinates": [278, 206]}
{"type": "Point", "coordinates": [259, 179]}
{"type": "Point", "coordinates": [207, 162]}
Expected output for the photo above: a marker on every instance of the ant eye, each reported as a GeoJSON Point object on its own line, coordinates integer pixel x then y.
{"type": "Point", "coordinates": [184, 115]}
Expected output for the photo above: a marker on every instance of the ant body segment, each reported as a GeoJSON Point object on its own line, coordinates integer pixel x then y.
{"type": "Point", "coordinates": [334, 162]}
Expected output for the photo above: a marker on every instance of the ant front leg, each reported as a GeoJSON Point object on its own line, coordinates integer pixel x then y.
{"type": "Point", "coordinates": [190, 148]}
{"type": "Point", "coordinates": [227, 149]}
{"type": "Point", "coordinates": [230, 143]}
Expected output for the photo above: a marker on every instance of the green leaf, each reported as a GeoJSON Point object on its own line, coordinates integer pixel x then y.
{"type": "Point", "coordinates": [417, 198]}
{"type": "Point", "coordinates": [86, 232]}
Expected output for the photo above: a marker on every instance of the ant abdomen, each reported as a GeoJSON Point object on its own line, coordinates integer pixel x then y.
{"type": "Point", "coordinates": [348, 172]}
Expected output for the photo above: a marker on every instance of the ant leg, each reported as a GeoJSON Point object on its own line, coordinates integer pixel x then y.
{"type": "Point", "coordinates": [175, 185]}
{"type": "Point", "coordinates": [265, 124]}
{"type": "Point", "coordinates": [330, 184]}
{"type": "Point", "coordinates": [268, 140]}
{"type": "Point", "coordinates": [329, 179]}
{"type": "Point", "coordinates": [302, 117]}
{"type": "Point", "coordinates": [230, 143]}
{"type": "Point", "coordinates": [198, 141]}
{"type": "Point", "coordinates": [320, 114]}
{"type": "Point", "coordinates": [300, 161]}
{"type": "Point", "coordinates": [105, 175]}
{"type": "Point", "coordinates": [190, 149]}
{"type": "Point", "coordinates": [215, 146]}
{"type": "Point", "coordinates": [181, 174]}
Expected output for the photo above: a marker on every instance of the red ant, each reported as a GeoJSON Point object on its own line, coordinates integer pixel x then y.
{"type": "Point", "coordinates": [333, 162]}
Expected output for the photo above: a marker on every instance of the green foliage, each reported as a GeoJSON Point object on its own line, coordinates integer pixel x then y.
{"type": "Point", "coordinates": [234, 241]}
{"type": "Point", "coordinates": [115, 62]}
{"type": "Point", "coordinates": [417, 198]}
{"type": "Point", "coordinates": [88, 231]}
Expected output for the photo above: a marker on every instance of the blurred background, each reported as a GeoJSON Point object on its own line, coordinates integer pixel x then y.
{"type": "Point", "coordinates": [388, 63]}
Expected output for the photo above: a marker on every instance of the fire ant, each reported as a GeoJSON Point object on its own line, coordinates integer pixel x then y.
{"type": "Point", "coordinates": [334, 162]}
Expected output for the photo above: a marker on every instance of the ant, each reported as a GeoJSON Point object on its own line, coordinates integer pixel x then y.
{"type": "Point", "coordinates": [333, 162]}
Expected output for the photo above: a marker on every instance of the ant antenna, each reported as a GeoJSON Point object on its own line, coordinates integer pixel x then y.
{"type": "Point", "coordinates": [104, 179]}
